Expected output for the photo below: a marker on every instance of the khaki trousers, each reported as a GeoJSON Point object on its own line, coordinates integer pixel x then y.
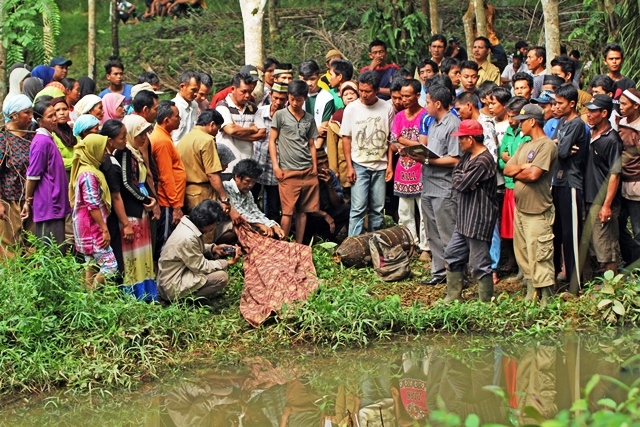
{"type": "Point", "coordinates": [533, 246]}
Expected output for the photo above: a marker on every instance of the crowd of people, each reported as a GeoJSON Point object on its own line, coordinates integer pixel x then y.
{"type": "Point", "coordinates": [473, 158]}
{"type": "Point", "coordinates": [128, 12]}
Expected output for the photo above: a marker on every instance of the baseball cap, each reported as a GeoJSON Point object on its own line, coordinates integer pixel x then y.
{"type": "Point", "coordinates": [348, 85]}
{"type": "Point", "coordinates": [546, 97]}
{"type": "Point", "coordinates": [531, 111]}
{"type": "Point", "coordinates": [469, 128]}
{"type": "Point", "coordinates": [332, 53]}
{"type": "Point", "coordinates": [143, 86]}
{"type": "Point", "coordinates": [249, 69]}
{"type": "Point", "coordinates": [59, 60]}
{"type": "Point", "coordinates": [454, 40]}
{"type": "Point", "coordinates": [600, 102]}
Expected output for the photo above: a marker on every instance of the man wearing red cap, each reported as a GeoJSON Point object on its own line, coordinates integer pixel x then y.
{"type": "Point", "coordinates": [474, 178]}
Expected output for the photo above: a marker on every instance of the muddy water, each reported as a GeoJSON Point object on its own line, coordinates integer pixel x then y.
{"type": "Point", "coordinates": [394, 384]}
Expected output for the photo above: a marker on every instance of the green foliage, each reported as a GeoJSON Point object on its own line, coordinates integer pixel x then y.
{"type": "Point", "coordinates": [619, 303]}
{"type": "Point", "coordinates": [401, 27]}
{"type": "Point", "coordinates": [56, 332]}
{"type": "Point", "coordinates": [28, 33]}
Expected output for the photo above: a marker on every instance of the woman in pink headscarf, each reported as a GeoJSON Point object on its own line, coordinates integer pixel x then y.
{"type": "Point", "coordinates": [112, 104]}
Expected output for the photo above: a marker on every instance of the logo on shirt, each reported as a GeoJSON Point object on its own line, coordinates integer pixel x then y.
{"type": "Point", "coordinates": [531, 156]}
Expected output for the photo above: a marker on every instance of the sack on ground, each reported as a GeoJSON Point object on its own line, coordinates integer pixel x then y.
{"type": "Point", "coordinates": [390, 263]}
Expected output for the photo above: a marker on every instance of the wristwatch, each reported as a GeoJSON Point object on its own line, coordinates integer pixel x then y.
{"type": "Point", "coordinates": [426, 161]}
{"type": "Point", "coordinates": [225, 202]}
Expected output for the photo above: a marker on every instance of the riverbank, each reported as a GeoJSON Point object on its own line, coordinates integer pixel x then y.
{"type": "Point", "coordinates": [56, 334]}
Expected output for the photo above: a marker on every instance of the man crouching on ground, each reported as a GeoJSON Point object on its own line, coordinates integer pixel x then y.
{"type": "Point", "coordinates": [187, 266]}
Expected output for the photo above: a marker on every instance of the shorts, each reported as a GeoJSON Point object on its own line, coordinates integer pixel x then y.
{"type": "Point", "coordinates": [605, 237]}
{"type": "Point", "coordinates": [299, 192]}
{"type": "Point", "coordinates": [105, 259]}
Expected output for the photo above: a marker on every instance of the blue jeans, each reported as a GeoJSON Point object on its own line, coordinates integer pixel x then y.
{"type": "Point", "coordinates": [367, 192]}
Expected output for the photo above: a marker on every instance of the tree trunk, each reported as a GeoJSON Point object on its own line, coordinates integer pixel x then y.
{"type": "Point", "coordinates": [424, 7]}
{"type": "Point", "coordinates": [252, 16]}
{"type": "Point", "coordinates": [551, 29]}
{"type": "Point", "coordinates": [115, 40]}
{"type": "Point", "coordinates": [3, 58]}
{"type": "Point", "coordinates": [481, 18]}
{"type": "Point", "coordinates": [434, 17]}
{"type": "Point", "coordinates": [91, 50]}
{"type": "Point", "coordinates": [274, 29]}
{"type": "Point", "coordinates": [468, 20]}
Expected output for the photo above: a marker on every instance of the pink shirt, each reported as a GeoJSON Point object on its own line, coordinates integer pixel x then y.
{"type": "Point", "coordinates": [407, 177]}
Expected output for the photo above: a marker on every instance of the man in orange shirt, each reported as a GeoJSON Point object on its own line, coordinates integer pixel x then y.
{"type": "Point", "coordinates": [172, 178]}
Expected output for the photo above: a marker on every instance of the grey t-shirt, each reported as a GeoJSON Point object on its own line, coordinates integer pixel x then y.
{"type": "Point", "coordinates": [436, 180]}
{"type": "Point", "coordinates": [293, 139]}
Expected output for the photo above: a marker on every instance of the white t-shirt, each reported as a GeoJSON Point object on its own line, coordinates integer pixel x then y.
{"type": "Point", "coordinates": [369, 128]}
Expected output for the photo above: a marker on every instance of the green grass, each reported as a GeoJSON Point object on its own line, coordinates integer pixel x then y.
{"type": "Point", "coordinates": [54, 332]}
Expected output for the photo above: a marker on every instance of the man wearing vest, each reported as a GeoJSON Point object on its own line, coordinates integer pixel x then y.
{"type": "Point", "coordinates": [238, 132]}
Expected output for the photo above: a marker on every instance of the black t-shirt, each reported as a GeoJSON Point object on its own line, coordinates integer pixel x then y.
{"type": "Point", "coordinates": [112, 171]}
{"type": "Point", "coordinates": [622, 85]}
{"type": "Point", "coordinates": [604, 159]}
{"type": "Point", "coordinates": [570, 170]}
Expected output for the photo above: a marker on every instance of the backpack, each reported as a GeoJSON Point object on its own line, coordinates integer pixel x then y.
{"type": "Point", "coordinates": [391, 263]}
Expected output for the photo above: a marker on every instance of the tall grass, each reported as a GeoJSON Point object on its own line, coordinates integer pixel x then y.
{"type": "Point", "coordinates": [56, 332]}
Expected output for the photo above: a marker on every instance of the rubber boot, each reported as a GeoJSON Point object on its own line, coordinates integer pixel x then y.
{"type": "Point", "coordinates": [546, 293]}
{"type": "Point", "coordinates": [454, 285]}
{"type": "Point", "coordinates": [531, 291]}
{"type": "Point", "coordinates": [485, 288]}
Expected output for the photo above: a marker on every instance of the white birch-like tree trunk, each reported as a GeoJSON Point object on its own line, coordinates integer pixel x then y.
{"type": "Point", "coordinates": [252, 18]}
{"type": "Point", "coordinates": [551, 29]}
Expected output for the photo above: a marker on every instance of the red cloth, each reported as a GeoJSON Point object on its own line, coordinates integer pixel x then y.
{"type": "Point", "coordinates": [508, 214]}
{"type": "Point", "coordinates": [275, 272]}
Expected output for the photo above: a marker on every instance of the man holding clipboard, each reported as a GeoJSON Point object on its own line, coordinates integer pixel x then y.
{"type": "Point", "coordinates": [439, 203]}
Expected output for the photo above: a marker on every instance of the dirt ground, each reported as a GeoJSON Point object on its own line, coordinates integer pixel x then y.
{"type": "Point", "coordinates": [411, 291]}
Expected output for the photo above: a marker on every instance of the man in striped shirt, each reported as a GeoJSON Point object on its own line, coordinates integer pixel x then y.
{"type": "Point", "coordinates": [474, 179]}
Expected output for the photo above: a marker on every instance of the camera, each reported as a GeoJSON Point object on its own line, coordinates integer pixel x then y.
{"type": "Point", "coordinates": [229, 250]}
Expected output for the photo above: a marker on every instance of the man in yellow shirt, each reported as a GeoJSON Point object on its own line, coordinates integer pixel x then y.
{"type": "Point", "coordinates": [486, 70]}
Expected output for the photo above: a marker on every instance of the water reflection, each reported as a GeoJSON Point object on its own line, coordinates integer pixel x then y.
{"type": "Point", "coordinates": [397, 385]}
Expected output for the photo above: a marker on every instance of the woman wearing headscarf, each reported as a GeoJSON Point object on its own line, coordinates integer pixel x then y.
{"type": "Point", "coordinates": [16, 79]}
{"type": "Point", "coordinates": [112, 104]}
{"type": "Point", "coordinates": [46, 195]}
{"type": "Point", "coordinates": [139, 277]}
{"type": "Point", "coordinates": [15, 139]}
{"type": "Point", "coordinates": [89, 104]}
{"type": "Point", "coordinates": [87, 86]}
{"type": "Point", "coordinates": [57, 85]}
{"type": "Point", "coordinates": [85, 124]}
{"type": "Point", "coordinates": [63, 133]}
{"type": "Point", "coordinates": [44, 73]}
{"type": "Point", "coordinates": [91, 198]}
{"type": "Point", "coordinates": [31, 86]}
{"type": "Point", "coordinates": [72, 92]}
